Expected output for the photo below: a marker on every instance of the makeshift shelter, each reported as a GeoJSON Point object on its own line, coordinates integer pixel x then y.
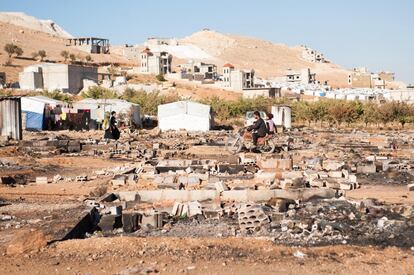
{"type": "Point", "coordinates": [98, 108]}
{"type": "Point", "coordinates": [185, 115]}
{"type": "Point", "coordinates": [282, 116]}
{"type": "Point", "coordinates": [10, 117]}
{"type": "Point", "coordinates": [33, 111]}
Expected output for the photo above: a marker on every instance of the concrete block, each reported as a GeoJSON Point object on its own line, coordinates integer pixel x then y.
{"type": "Point", "coordinates": [317, 183]}
{"type": "Point", "coordinates": [352, 178]}
{"type": "Point", "coordinates": [193, 180]}
{"type": "Point", "coordinates": [153, 220]}
{"type": "Point", "coordinates": [119, 180]}
{"type": "Point", "coordinates": [41, 180]}
{"type": "Point", "coordinates": [129, 196]}
{"type": "Point", "coordinates": [292, 174]}
{"type": "Point", "coordinates": [345, 173]}
{"type": "Point", "coordinates": [252, 217]}
{"type": "Point", "coordinates": [108, 223]}
{"type": "Point", "coordinates": [130, 222]}
{"type": "Point", "coordinates": [335, 174]}
{"type": "Point", "coordinates": [367, 168]}
{"type": "Point", "coordinates": [221, 186]}
{"type": "Point", "coordinates": [230, 168]}
{"type": "Point", "coordinates": [331, 165]}
{"type": "Point", "coordinates": [194, 208]}
{"type": "Point", "coordinates": [346, 186]}
{"type": "Point", "coordinates": [292, 183]}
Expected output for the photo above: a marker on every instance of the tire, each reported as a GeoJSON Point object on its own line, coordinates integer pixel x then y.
{"type": "Point", "coordinates": [268, 148]}
{"type": "Point", "coordinates": [234, 145]}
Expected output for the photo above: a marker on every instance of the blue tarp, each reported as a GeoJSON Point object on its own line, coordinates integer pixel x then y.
{"type": "Point", "coordinates": [34, 121]}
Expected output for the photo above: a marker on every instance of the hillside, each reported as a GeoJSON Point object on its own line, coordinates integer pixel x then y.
{"type": "Point", "coordinates": [34, 40]}
{"type": "Point", "coordinates": [23, 20]}
{"type": "Point", "coordinates": [268, 59]}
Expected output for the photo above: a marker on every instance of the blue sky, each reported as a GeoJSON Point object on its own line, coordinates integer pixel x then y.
{"type": "Point", "coordinates": [376, 34]}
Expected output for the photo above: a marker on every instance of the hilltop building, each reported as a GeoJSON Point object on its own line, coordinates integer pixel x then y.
{"type": "Point", "coordinates": [155, 62]}
{"type": "Point", "coordinates": [236, 79]}
{"type": "Point", "coordinates": [90, 44]}
{"type": "Point", "coordinates": [198, 71]}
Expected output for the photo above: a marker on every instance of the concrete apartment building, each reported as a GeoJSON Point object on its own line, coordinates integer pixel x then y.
{"type": "Point", "coordinates": [198, 71]}
{"type": "Point", "coordinates": [155, 62]}
{"type": "Point", "coordinates": [237, 80]}
{"type": "Point", "coordinates": [362, 78]}
{"type": "Point", "coordinates": [90, 44]}
{"type": "Point", "coordinates": [301, 76]}
{"type": "Point", "coordinates": [50, 76]}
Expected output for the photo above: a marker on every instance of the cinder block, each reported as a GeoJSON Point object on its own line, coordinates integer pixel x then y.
{"type": "Point", "coordinates": [108, 223]}
{"type": "Point", "coordinates": [221, 186]}
{"type": "Point", "coordinates": [335, 174]}
{"type": "Point", "coordinates": [130, 222]}
{"type": "Point", "coordinates": [41, 180]}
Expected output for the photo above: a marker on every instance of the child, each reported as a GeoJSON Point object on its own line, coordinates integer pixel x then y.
{"type": "Point", "coordinates": [271, 127]}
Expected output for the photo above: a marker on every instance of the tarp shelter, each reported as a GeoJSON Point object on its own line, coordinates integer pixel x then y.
{"type": "Point", "coordinates": [33, 108]}
{"type": "Point", "coordinates": [185, 115]}
{"type": "Point", "coordinates": [10, 117]}
{"type": "Point", "coordinates": [98, 107]}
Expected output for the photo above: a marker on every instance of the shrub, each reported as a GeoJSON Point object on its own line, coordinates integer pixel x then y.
{"type": "Point", "coordinates": [65, 55]}
{"type": "Point", "coordinates": [160, 77]}
{"type": "Point", "coordinates": [42, 54]}
{"type": "Point", "coordinates": [97, 92]}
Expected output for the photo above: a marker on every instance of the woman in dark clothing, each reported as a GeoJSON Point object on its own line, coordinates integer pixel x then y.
{"type": "Point", "coordinates": [111, 131]}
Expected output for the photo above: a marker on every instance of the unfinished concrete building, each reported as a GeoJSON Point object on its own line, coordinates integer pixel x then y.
{"type": "Point", "coordinates": [362, 78]}
{"type": "Point", "coordinates": [51, 76]}
{"type": "Point", "coordinates": [155, 62]}
{"type": "Point", "coordinates": [90, 44]}
{"type": "Point", "coordinates": [313, 56]}
{"type": "Point", "coordinates": [198, 71]}
{"type": "Point", "coordinates": [303, 76]}
{"type": "Point", "coordinates": [237, 80]}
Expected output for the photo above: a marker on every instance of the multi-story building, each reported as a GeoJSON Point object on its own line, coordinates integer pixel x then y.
{"type": "Point", "coordinates": [198, 71]}
{"type": "Point", "coordinates": [302, 76]}
{"type": "Point", "coordinates": [237, 80]}
{"type": "Point", "coordinates": [155, 62]}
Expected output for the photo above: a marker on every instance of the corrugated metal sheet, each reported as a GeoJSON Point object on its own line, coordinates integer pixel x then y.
{"type": "Point", "coordinates": [10, 117]}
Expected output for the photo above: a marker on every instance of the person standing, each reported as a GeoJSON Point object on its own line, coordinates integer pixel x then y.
{"type": "Point", "coordinates": [111, 129]}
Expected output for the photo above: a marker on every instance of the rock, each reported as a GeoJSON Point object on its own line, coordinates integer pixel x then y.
{"type": "Point", "coordinates": [26, 241]}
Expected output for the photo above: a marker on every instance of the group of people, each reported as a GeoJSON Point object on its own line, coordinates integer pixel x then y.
{"type": "Point", "coordinates": [261, 127]}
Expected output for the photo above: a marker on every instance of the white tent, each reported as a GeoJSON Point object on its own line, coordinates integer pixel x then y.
{"type": "Point", "coordinates": [185, 115]}
{"type": "Point", "coordinates": [99, 106]}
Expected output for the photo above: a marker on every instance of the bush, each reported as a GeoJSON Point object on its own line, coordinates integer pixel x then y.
{"type": "Point", "coordinates": [97, 92]}
{"type": "Point", "coordinates": [148, 101]}
{"type": "Point", "coordinates": [160, 77]}
{"type": "Point", "coordinates": [65, 55]}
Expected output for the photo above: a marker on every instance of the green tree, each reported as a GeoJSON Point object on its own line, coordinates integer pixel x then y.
{"type": "Point", "coordinates": [160, 77]}
{"type": "Point", "coordinates": [72, 58]}
{"type": "Point", "coordinates": [12, 50]}
{"type": "Point", "coordinates": [42, 54]}
{"type": "Point", "coordinates": [65, 55]}
{"type": "Point", "coordinates": [97, 92]}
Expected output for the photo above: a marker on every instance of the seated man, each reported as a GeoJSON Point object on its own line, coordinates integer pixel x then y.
{"type": "Point", "coordinates": [258, 129]}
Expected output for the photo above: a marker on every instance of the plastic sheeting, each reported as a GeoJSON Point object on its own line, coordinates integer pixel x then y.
{"type": "Point", "coordinates": [34, 121]}
{"type": "Point", "coordinates": [184, 115]}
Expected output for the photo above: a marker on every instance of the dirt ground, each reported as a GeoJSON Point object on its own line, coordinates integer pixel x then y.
{"type": "Point", "coordinates": [206, 256]}
{"type": "Point", "coordinates": [45, 212]}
